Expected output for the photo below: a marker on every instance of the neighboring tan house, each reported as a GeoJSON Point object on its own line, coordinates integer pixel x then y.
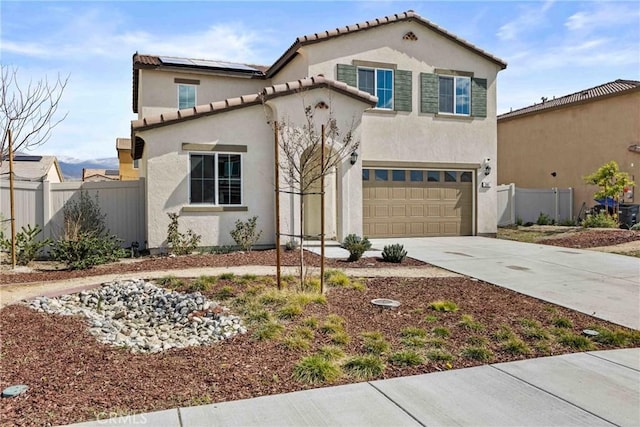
{"type": "Point", "coordinates": [558, 142]}
{"type": "Point", "coordinates": [128, 168]}
{"type": "Point", "coordinates": [33, 168]}
{"type": "Point", "coordinates": [421, 101]}
{"type": "Point", "coordinates": [93, 175]}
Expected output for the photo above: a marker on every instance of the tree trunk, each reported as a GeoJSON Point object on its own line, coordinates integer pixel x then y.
{"type": "Point", "coordinates": [301, 241]}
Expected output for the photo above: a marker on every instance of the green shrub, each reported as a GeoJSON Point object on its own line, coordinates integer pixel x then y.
{"type": "Point", "coordinates": [444, 306]}
{"type": "Point", "coordinates": [575, 341]}
{"type": "Point", "coordinates": [291, 245]}
{"type": "Point", "coordinates": [365, 367]}
{"type": "Point", "coordinates": [374, 342]}
{"type": "Point", "coordinates": [224, 293]}
{"type": "Point", "coordinates": [568, 222]}
{"type": "Point", "coordinates": [477, 353]}
{"type": "Point", "coordinates": [562, 322]}
{"type": "Point", "coordinates": [27, 247]}
{"type": "Point", "coordinates": [635, 227]}
{"type": "Point", "coordinates": [436, 342]}
{"type": "Point", "coordinates": [441, 332]}
{"type": "Point", "coordinates": [258, 315]}
{"type": "Point", "coordinates": [226, 276]}
{"type": "Point", "coordinates": [467, 322]}
{"type": "Point", "coordinates": [439, 356]}
{"type": "Point", "coordinates": [316, 369]}
{"type": "Point", "coordinates": [504, 333]}
{"type": "Point", "coordinates": [336, 278]}
{"type": "Point", "coordinates": [516, 346]}
{"type": "Point", "coordinates": [544, 219]}
{"type": "Point", "coordinates": [171, 282]}
{"type": "Point", "coordinates": [394, 253]}
{"type": "Point", "coordinates": [245, 234]}
{"type": "Point", "coordinates": [340, 338]}
{"type": "Point", "coordinates": [356, 246]}
{"type": "Point", "coordinates": [413, 332]}
{"type": "Point", "coordinates": [268, 331]}
{"type": "Point", "coordinates": [310, 322]}
{"type": "Point", "coordinates": [414, 341]}
{"type": "Point", "coordinates": [406, 358]}
{"type": "Point", "coordinates": [618, 337]}
{"type": "Point", "coordinates": [296, 342]}
{"type": "Point", "coordinates": [331, 352]}
{"type": "Point", "coordinates": [431, 318]}
{"type": "Point", "coordinates": [600, 220]}
{"type": "Point", "coordinates": [535, 332]}
{"type": "Point", "coordinates": [289, 311]}
{"type": "Point", "coordinates": [180, 243]}
{"type": "Point", "coordinates": [477, 340]}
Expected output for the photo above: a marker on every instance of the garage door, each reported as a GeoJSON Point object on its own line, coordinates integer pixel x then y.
{"type": "Point", "coordinates": [413, 203]}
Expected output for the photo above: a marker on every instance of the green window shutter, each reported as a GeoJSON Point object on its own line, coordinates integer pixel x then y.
{"type": "Point", "coordinates": [479, 97]}
{"type": "Point", "coordinates": [428, 93]}
{"type": "Point", "coordinates": [347, 74]}
{"type": "Point", "coordinates": [402, 90]}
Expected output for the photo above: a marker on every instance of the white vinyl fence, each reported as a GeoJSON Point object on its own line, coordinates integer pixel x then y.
{"type": "Point", "coordinates": [526, 204]}
{"type": "Point", "coordinates": [42, 203]}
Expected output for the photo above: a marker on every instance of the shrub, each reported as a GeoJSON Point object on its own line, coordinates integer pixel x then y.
{"type": "Point", "coordinates": [445, 306]}
{"type": "Point", "coordinates": [406, 358]}
{"type": "Point", "coordinates": [635, 227]}
{"type": "Point", "coordinates": [439, 356]}
{"type": "Point", "coordinates": [441, 332]}
{"type": "Point", "coordinates": [365, 367]}
{"type": "Point", "coordinates": [394, 253]}
{"type": "Point", "coordinates": [562, 322]}
{"type": "Point", "coordinates": [374, 342]}
{"type": "Point", "coordinates": [544, 219]}
{"type": "Point", "coordinates": [600, 220]}
{"type": "Point", "coordinates": [356, 246]}
{"type": "Point", "coordinates": [316, 369]}
{"type": "Point", "coordinates": [575, 341]}
{"type": "Point", "coordinates": [180, 243]}
{"type": "Point", "coordinates": [171, 282]}
{"type": "Point", "coordinates": [27, 247]}
{"type": "Point", "coordinates": [515, 346]}
{"type": "Point", "coordinates": [477, 353]}
{"type": "Point", "coordinates": [467, 322]}
{"type": "Point", "coordinates": [227, 276]}
{"type": "Point", "coordinates": [224, 293]}
{"type": "Point", "coordinates": [245, 234]}
{"type": "Point", "coordinates": [291, 245]}
{"type": "Point", "coordinates": [85, 241]}
{"type": "Point", "coordinates": [331, 352]}
{"type": "Point", "coordinates": [267, 331]}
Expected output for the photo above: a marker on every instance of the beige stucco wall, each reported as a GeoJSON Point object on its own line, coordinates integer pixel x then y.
{"type": "Point", "coordinates": [158, 93]}
{"type": "Point", "coordinates": [414, 136]}
{"type": "Point", "coordinates": [167, 172]}
{"type": "Point", "coordinates": [573, 142]}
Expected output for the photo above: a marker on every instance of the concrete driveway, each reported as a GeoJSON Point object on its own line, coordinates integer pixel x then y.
{"type": "Point", "coordinates": [604, 285]}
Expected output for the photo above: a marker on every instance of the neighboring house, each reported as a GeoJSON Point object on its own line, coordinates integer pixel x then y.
{"type": "Point", "coordinates": [33, 168]}
{"type": "Point", "coordinates": [128, 168]}
{"type": "Point", "coordinates": [422, 103]}
{"type": "Point", "coordinates": [559, 141]}
{"type": "Point", "coordinates": [93, 175]}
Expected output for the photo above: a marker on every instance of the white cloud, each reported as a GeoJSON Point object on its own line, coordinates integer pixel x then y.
{"type": "Point", "coordinates": [604, 15]}
{"type": "Point", "coordinates": [530, 18]}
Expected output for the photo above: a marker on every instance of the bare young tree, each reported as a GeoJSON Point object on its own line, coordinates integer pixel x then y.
{"type": "Point", "coordinates": [28, 112]}
{"type": "Point", "coordinates": [301, 166]}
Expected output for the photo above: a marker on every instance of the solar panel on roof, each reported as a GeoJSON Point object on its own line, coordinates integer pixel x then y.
{"type": "Point", "coordinates": [110, 172]}
{"type": "Point", "coordinates": [175, 61]}
{"type": "Point", "coordinates": [225, 65]}
{"type": "Point", "coordinates": [27, 158]}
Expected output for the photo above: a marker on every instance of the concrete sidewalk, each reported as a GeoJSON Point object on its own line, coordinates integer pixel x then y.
{"type": "Point", "coordinates": [595, 388]}
{"type": "Point", "coordinates": [604, 285]}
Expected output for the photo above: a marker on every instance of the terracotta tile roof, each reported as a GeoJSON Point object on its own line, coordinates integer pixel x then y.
{"type": "Point", "coordinates": [249, 100]}
{"type": "Point", "coordinates": [100, 175]}
{"type": "Point", "coordinates": [616, 87]}
{"type": "Point", "coordinates": [409, 15]}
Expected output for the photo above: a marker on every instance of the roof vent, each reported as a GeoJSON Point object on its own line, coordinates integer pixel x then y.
{"type": "Point", "coordinates": [410, 36]}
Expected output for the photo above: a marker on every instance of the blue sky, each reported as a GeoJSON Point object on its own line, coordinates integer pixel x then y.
{"type": "Point", "coordinates": [553, 48]}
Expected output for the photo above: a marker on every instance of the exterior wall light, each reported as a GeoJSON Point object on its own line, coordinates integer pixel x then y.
{"type": "Point", "coordinates": [487, 170]}
{"type": "Point", "coordinates": [354, 158]}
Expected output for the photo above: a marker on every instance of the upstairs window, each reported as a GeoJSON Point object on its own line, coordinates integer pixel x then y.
{"type": "Point", "coordinates": [216, 179]}
{"type": "Point", "coordinates": [454, 95]}
{"type": "Point", "coordinates": [378, 82]}
{"type": "Point", "coordinates": [186, 96]}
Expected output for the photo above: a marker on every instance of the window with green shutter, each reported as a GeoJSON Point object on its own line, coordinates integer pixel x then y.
{"type": "Point", "coordinates": [453, 94]}
{"type": "Point", "coordinates": [392, 87]}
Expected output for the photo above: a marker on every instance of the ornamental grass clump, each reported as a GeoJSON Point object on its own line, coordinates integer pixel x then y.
{"type": "Point", "coordinates": [480, 354]}
{"type": "Point", "coordinates": [406, 358]}
{"type": "Point", "coordinates": [443, 306]}
{"type": "Point", "coordinates": [316, 370]}
{"type": "Point", "coordinates": [374, 342]}
{"type": "Point", "coordinates": [364, 367]}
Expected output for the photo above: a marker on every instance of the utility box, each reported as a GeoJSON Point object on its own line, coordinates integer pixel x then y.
{"type": "Point", "coordinates": [628, 215]}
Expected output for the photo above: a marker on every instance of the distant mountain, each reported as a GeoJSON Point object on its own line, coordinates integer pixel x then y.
{"type": "Point", "coordinates": [72, 168]}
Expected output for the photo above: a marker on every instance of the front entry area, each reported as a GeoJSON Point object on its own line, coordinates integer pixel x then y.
{"type": "Point", "coordinates": [417, 203]}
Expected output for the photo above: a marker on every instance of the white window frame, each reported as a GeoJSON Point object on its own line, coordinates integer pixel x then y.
{"type": "Point", "coordinates": [195, 94]}
{"type": "Point", "coordinates": [216, 181]}
{"type": "Point", "coordinates": [455, 80]}
{"type": "Point", "coordinates": [375, 83]}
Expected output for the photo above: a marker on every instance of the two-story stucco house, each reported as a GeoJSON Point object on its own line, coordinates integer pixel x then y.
{"type": "Point", "coordinates": [421, 101]}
